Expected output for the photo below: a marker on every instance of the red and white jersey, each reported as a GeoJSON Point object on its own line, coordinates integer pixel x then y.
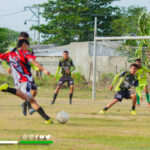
{"type": "Point", "coordinates": [20, 64]}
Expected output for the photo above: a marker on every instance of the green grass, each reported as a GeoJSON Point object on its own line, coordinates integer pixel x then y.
{"type": "Point", "coordinates": [86, 130]}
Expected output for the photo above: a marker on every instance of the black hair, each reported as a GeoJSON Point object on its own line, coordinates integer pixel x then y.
{"type": "Point", "coordinates": [20, 42]}
{"type": "Point", "coordinates": [139, 59]}
{"type": "Point", "coordinates": [24, 34]}
{"type": "Point", "coordinates": [66, 52]}
{"type": "Point", "coordinates": [134, 65]}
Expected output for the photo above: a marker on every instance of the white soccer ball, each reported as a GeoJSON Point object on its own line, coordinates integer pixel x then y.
{"type": "Point", "coordinates": [62, 117]}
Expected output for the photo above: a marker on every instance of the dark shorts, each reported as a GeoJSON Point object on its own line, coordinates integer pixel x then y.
{"type": "Point", "coordinates": [69, 80]}
{"type": "Point", "coordinates": [123, 94]}
{"type": "Point", "coordinates": [33, 86]}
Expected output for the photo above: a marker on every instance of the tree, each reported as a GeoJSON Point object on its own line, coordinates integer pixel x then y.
{"type": "Point", "coordinates": [7, 37]}
{"type": "Point", "coordinates": [133, 21]}
{"type": "Point", "coordinates": [73, 20]}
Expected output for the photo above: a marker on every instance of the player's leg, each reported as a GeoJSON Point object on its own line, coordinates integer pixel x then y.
{"type": "Point", "coordinates": [133, 96]}
{"type": "Point", "coordinates": [71, 84]}
{"type": "Point", "coordinates": [26, 104]}
{"type": "Point", "coordinates": [71, 93]}
{"type": "Point", "coordinates": [147, 94]}
{"type": "Point", "coordinates": [26, 97]}
{"type": "Point", "coordinates": [117, 98]}
{"type": "Point", "coordinates": [109, 105]}
{"type": "Point", "coordinates": [56, 94]}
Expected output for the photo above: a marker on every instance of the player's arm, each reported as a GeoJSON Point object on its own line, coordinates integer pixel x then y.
{"type": "Point", "coordinates": [116, 79]}
{"type": "Point", "coordinates": [5, 56]}
{"type": "Point", "coordinates": [57, 72]}
{"type": "Point", "coordinates": [35, 63]}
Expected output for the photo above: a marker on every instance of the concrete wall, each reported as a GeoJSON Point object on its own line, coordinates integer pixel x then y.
{"type": "Point", "coordinates": [81, 52]}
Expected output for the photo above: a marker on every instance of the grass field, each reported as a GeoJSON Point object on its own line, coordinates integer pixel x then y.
{"type": "Point", "coordinates": [86, 130]}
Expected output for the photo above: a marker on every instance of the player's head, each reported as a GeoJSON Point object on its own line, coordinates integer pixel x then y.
{"type": "Point", "coordinates": [65, 55]}
{"type": "Point", "coordinates": [133, 68]}
{"type": "Point", "coordinates": [23, 44]}
{"type": "Point", "coordinates": [138, 62]}
{"type": "Point", "coordinates": [23, 35]}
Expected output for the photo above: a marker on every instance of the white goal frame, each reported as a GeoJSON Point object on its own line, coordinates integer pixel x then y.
{"type": "Point", "coordinates": [95, 51]}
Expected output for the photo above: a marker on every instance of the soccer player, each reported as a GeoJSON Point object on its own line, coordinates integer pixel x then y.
{"type": "Point", "coordinates": [143, 81]}
{"type": "Point", "coordinates": [24, 105]}
{"type": "Point", "coordinates": [127, 80]}
{"type": "Point", "coordinates": [67, 67]}
{"type": "Point", "coordinates": [20, 60]}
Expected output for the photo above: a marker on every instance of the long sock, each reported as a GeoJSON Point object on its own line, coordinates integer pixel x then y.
{"type": "Point", "coordinates": [106, 108]}
{"type": "Point", "coordinates": [43, 114]}
{"type": "Point", "coordinates": [147, 97]}
{"type": "Point", "coordinates": [70, 97]}
{"type": "Point", "coordinates": [133, 107]}
{"type": "Point", "coordinates": [138, 99]}
{"type": "Point", "coordinates": [11, 90]}
{"type": "Point", "coordinates": [28, 104]}
{"type": "Point", "coordinates": [55, 96]}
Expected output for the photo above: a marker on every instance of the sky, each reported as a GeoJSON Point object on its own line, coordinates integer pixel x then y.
{"type": "Point", "coordinates": [12, 15]}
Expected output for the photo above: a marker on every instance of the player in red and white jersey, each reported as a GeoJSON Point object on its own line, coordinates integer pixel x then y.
{"type": "Point", "coordinates": [20, 60]}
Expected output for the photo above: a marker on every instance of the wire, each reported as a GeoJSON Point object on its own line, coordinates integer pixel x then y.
{"type": "Point", "coordinates": [9, 14]}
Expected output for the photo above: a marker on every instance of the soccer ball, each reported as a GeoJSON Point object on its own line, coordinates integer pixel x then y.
{"type": "Point", "coordinates": [62, 117]}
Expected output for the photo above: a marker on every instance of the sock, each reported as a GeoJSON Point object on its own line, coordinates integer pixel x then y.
{"type": "Point", "coordinates": [55, 96]}
{"type": "Point", "coordinates": [147, 97]}
{"type": "Point", "coordinates": [106, 108]}
{"type": "Point", "coordinates": [28, 104]}
{"type": "Point", "coordinates": [70, 96]}
{"type": "Point", "coordinates": [133, 107]}
{"type": "Point", "coordinates": [43, 114]}
{"type": "Point", "coordinates": [11, 90]}
{"type": "Point", "coordinates": [138, 99]}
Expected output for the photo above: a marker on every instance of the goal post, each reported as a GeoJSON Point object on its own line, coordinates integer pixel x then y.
{"type": "Point", "coordinates": [96, 39]}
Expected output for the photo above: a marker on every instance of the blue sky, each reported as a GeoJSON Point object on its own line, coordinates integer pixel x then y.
{"type": "Point", "coordinates": [16, 21]}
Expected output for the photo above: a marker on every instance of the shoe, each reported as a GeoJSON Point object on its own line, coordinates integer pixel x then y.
{"type": "Point", "coordinates": [50, 121]}
{"type": "Point", "coordinates": [4, 87]}
{"type": "Point", "coordinates": [70, 102]}
{"type": "Point", "coordinates": [24, 108]}
{"type": "Point", "coordinates": [133, 112]}
{"type": "Point", "coordinates": [148, 104]}
{"type": "Point", "coordinates": [31, 111]}
{"type": "Point", "coordinates": [138, 105]}
{"type": "Point", "coordinates": [102, 112]}
{"type": "Point", "coordinates": [53, 102]}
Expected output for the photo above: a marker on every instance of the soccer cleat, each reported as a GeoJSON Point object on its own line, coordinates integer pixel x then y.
{"type": "Point", "coordinates": [53, 102]}
{"type": "Point", "coordinates": [4, 87]}
{"type": "Point", "coordinates": [138, 105]}
{"type": "Point", "coordinates": [24, 108]}
{"type": "Point", "coordinates": [70, 101]}
{"type": "Point", "coordinates": [50, 121]}
{"type": "Point", "coordinates": [133, 112]}
{"type": "Point", "coordinates": [31, 111]}
{"type": "Point", "coordinates": [102, 112]}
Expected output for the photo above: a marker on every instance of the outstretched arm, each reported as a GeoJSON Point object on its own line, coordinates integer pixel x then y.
{"type": "Point", "coordinates": [35, 63]}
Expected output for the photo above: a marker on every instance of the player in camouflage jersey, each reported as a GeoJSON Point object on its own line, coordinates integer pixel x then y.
{"type": "Point", "coordinates": [67, 67]}
{"type": "Point", "coordinates": [127, 80]}
{"type": "Point", "coordinates": [143, 81]}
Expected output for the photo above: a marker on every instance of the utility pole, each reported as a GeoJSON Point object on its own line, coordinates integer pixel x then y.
{"type": "Point", "coordinates": [35, 10]}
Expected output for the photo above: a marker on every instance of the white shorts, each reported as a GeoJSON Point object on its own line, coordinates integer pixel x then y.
{"type": "Point", "coordinates": [25, 87]}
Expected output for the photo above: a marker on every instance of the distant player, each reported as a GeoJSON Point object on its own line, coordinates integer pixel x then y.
{"type": "Point", "coordinates": [67, 67]}
{"type": "Point", "coordinates": [25, 35]}
{"type": "Point", "coordinates": [20, 60]}
{"type": "Point", "coordinates": [143, 81]}
{"type": "Point", "coordinates": [127, 80]}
